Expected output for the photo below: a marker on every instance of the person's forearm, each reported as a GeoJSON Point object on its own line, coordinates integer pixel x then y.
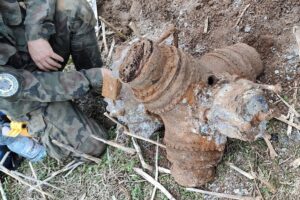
{"type": "Point", "coordinates": [55, 86]}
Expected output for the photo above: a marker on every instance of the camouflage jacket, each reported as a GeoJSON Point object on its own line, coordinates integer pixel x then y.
{"type": "Point", "coordinates": [37, 89]}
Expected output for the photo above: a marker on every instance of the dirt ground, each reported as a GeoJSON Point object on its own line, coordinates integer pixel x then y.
{"type": "Point", "coordinates": [265, 25]}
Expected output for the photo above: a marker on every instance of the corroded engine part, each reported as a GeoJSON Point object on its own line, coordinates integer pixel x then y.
{"type": "Point", "coordinates": [164, 68]}
{"type": "Point", "coordinates": [187, 94]}
{"type": "Point", "coordinates": [125, 107]}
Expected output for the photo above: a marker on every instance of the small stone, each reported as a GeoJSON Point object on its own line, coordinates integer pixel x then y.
{"type": "Point", "coordinates": [247, 28]}
{"type": "Point", "coordinates": [244, 192]}
{"type": "Point", "coordinates": [289, 57]}
{"type": "Point", "coordinates": [276, 71]}
{"type": "Point", "coordinates": [200, 49]}
{"type": "Point", "coordinates": [237, 3]}
{"type": "Point", "coordinates": [237, 191]}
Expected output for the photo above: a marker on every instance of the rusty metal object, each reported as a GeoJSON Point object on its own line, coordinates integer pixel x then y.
{"type": "Point", "coordinates": [201, 101]}
{"type": "Point", "coordinates": [111, 86]}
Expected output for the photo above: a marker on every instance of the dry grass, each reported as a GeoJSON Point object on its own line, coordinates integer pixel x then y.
{"type": "Point", "coordinates": [114, 177]}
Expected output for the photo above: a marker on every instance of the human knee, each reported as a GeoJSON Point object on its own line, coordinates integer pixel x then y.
{"type": "Point", "coordinates": [80, 16]}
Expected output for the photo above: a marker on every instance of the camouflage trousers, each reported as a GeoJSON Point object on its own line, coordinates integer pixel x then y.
{"type": "Point", "coordinates": [65, 123]}
{"type": "Point", "coordinates": [62, 120]}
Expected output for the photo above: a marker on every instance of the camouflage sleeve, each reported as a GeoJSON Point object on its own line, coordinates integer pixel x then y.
{"type": "Point", "coordinates": [58, 86]}
{"type": "Point", "coordinates": [54, 86]}
{"type": "Point", "coordinates": [39, 21]}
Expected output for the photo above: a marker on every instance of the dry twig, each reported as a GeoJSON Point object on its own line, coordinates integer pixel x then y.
{"type": "Point", "coordinates": [246, 174]}
{"type": "Point", "coordinates": [296, 32]}
{"type": "Point", "coordinates": [128, 150]}
{"type": "Point", "coordinates": [3, 195]}
{"type": "Point", "coordinates": [292, 114]}
{"type": "Point", "coordinates": [137, 147]}
{"type": "Point", "coordinates": [164, 170]}
{"type": "Point", "coordinates": [241, 15]}
{"type": "Point", "coordinates": [78, 153]}
{"type": "Point", "coordinates": [82, 197]}
{"type": "Point", "coordinates": [289, 106]}
{"type": "Point", "coordinates": [273, 153]}
{"type": "Point", "coordinates": [104, 38]}
{"type": "Point", "coordinates": [139, 152]}
{"type": "Point", "coordinates": [111, 50]}
{"type": "Point", "coordinates": [283, 119]}
{"type": "Point", "coordinates": [171, 30]}
{"type": "Point", "coordinates": [144, 139]}
{"type": "Point", "coordinates": [206, 25]}
{"type": "Point", "coordinates": [266, 183]}
{"type": "Point", "coordinates": [156, 170]}
{"type": "Point", "coordinates": [220, 195]}
{"type": "Point", "coordinates": [259, 192]}
{"type": "Point", "coordinates": [251, 176]}
{"type": "Point", "coordinates": [73, 168]}
{"type": "Point", "coordinates": [35, 180]}
{"type": "Point", "coordinates": [296, 163]}
{"type": "Point", "coordinates": [291, 120]}
{"type": "Point", "coordinates": [113, 28]}
{"type": "Point", "coordinates": [135, 30]}
{"type": "Point", "coordinates": [255, 182]}
{"type": "Point", "coordinates": [126, 132]}
{"type": "Point", "coordinates": [4, 158]}
{"type": "Point", "coordinates": [108, 33]}
{"type": "Point", "coordinates": [273, 88]}
{"type": "Point", "coordinates": [9, 173]}
{"type": "Point", "coordinates": [54, 174]}
{"type": "Point", "coordinates": [153, 182]}
{"type": "Point", "coordinates": [35, 176]}
{"type": "Point", "coordinates": [108, 159]}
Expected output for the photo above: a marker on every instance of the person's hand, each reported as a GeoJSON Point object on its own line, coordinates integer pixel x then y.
{"type": "Point", "coordinates": [43, 55]}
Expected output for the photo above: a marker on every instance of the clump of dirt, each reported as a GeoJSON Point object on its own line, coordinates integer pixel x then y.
{"type": "Point", "coordinates": [93, 105]}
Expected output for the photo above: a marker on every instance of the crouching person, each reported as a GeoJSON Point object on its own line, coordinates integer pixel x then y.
{"type": "Point", "coordinates": [43, 101]}
{"type": "Point", "coordinates": [36, 40]}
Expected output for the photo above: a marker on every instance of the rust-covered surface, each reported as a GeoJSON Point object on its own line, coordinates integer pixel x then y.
{"type": "Point", "coordinates": [126, 107]}
{"type": "Point", "coordinates": [200, 101]}
{"type": "Point", "coordinates": [111, 86]}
